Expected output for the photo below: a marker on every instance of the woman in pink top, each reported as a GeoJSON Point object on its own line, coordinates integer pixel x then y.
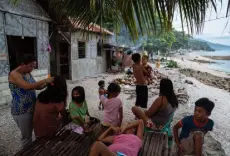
{"type": "Point", "coordinates": [113, 111]}
{"type": "Point", "coordinates": [127, 143]}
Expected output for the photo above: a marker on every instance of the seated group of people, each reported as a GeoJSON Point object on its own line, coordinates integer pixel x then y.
{"type": "Point", "coordinates": [50, 113]}
{"type": "Point", "coordinates": [127, 139]}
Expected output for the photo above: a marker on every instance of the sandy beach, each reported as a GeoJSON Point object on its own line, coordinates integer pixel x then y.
{"type": "Point", "coordinates": [216, 142]}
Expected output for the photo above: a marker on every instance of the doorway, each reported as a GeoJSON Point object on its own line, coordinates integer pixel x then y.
{"type": "Point", "coordinates": [108, 59]}
{"type": "Point", "coordinates": [64, 60]}
{"type": "Point", "coordinates": [18, 46]}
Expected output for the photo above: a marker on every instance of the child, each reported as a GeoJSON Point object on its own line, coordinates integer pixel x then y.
{"type": "Point", "coordinates": [141, 82]}
{"type": "Point", "coordinates": [148, 68]}
{"type": "Point", "coordinates": [50, 108]}
{"type": "Point", "coordinates": [79, 110]}
{"type": "Point", "coordinates": [101, 85]}
{"type": "Point", "coordinates": [113, 111]}
{"type": "Point", "coordinates": [194, 128]}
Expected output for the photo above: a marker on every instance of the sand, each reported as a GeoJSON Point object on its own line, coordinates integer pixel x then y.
{"type": "Point", "coordinates": [214, 141]}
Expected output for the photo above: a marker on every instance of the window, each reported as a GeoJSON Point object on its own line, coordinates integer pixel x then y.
{"type": "Point", "coordinates": [98, 49]}
{"type": "Point", "coordinates": [81, 49]}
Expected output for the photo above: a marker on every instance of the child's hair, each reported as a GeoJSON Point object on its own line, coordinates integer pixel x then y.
{"type": "Point", "coordinates": [114, 88]}
{"type": "Point", "coordinates": [145, 56]}
{"type": "Point", "coordinates": [166, 89]}
{"type": "Point", "coordinates": [206, 104]}
{"type": "Point", "coordinates": [81, 92]}
{"type": "Point", "coordinates": [136, 57]}
{"type": "Point", "coordinates": [55, 92]}
{"type": "Point", "coordinates": [101, 82]}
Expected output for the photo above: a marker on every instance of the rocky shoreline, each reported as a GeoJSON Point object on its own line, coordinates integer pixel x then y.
{"type": "Point", "coordinates": [202, 61]}
{"type": "Point", "coordinates": [208, 79]}
{"type": "Point", "coordinates": [218, 57]}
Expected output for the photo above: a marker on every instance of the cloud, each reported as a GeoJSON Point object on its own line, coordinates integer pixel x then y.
{"type": "Point", "coordinates": [215, 30]}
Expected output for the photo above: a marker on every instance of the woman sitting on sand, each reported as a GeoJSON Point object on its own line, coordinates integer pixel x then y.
{"type": "Point", "coordinates": [123, 142]}
{"type": "Point", "coordinates": [50, 108]}
{"type": "Point", "coordinates": [162, 108]}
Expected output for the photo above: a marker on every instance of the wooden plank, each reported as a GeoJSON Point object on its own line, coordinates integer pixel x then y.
{"type": "Point", "coordinates": [147, 144]}
{"type": "Point", "coordinates": [153, 144]}
{"type": "Point", "coordinates": [63, 143]}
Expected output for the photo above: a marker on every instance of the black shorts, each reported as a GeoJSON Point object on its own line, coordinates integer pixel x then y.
{"type": "Point", "coordinates": [142, 96]}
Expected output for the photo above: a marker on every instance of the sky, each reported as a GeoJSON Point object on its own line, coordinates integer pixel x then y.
{"type": "Point", "coordinates": [216, 31]}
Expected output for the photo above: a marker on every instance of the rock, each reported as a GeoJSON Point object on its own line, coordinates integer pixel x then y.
{"type": "Point", "coordinates": [188, 82]}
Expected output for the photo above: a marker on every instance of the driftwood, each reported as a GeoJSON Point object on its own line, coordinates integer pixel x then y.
{"type": "Point", "coordinates": [63, 143]}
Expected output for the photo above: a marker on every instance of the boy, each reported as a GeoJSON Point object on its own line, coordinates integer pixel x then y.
{"type": "Point", "coordinates": [194, 128]}
{"type": "Point", "coordinates": [141, 82]}
{"type": "Point", "coordinates": [101, 85]}
{"type": "Point", "coordinates": [148, 68]}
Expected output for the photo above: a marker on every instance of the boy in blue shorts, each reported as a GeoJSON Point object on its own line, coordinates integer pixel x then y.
{"type": "Point", "coordinates": [194, 128]}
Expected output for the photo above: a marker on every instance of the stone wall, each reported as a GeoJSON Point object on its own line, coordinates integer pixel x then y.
{"type": "Point", "coordinates": [92, 64]}
{"type": "Point", "coordinates": [27, 19]}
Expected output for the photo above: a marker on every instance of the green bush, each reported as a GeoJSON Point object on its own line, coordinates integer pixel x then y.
{"type": "Point", "coordinates": [172, 64]}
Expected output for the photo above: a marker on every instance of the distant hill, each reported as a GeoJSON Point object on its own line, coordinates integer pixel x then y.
{"type": "Point", "coordinates": [195, 44]}
{"type": "Point", "coordinates": [215, 46]}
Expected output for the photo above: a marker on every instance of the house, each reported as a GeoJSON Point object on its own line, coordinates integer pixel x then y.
{"type": "Point", "coordinates": [24, 29]}
{"type": "Point", "coordinates": [79, 53]}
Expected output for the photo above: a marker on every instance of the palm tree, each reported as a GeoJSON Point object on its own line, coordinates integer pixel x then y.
{"type": "Point", "coordinates": [192, 12]}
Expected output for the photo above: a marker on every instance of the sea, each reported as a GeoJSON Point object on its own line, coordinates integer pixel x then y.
{"type": "Point", "coordinates": [221, 65]}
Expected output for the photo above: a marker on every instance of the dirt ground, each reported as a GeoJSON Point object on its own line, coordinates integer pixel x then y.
{"type": "Point", "coordinates": [10, 135]}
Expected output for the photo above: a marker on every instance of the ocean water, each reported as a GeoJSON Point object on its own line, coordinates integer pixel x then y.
{"type": "Point", "coordinates": [222, 65]}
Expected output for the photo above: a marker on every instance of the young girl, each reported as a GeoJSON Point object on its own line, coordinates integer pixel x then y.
{"type": "Point", "coordinates": [125, 141]}
{"type": "Point", "coordinates": [79, 110]}
{"type": "Point", "coordinates": [113, 111]}
{"type": "Point", "coordinates": [101, 89]}
{"type": "Point", "coordinates": [50, 108]}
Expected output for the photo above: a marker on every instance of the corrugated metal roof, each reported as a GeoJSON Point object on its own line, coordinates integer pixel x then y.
{"type": "Point", "coordinates": [92, 27]}
{"type": "Point", "coordinates": [27, 8]}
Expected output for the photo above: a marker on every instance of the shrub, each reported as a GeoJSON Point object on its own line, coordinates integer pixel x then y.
{"type": "Point", "coordinates": [172, 64]}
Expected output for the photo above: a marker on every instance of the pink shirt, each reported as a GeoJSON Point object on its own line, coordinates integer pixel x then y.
{"type": "Point", "coordinates": [111, 110]}
{"type": "Point", "coordinates": [127, 144]}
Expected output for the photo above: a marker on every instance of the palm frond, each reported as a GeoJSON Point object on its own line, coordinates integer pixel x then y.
{"type": "Point", "coordinates": [192, 12]}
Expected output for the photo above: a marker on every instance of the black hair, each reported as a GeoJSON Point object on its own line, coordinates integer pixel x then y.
{"type": "Point", "coordinates": [206, 104]}
{"type": "Point", "coordinates": [129, 52]}
{"type": "Point", "coordinates": [55, 92]}
{"type": "Point", "coordinates": [81, 92]}
{"type": "Point", "coordinates": [166, 89]}
{"type": "Point", "coordinates": [26, 60]}
{"type": "Point", "coordinates": [136, 57]}
{"type": "Point", "coordinates": [101, 82]}
{"type": "Point", "coordinates": [114, 88]}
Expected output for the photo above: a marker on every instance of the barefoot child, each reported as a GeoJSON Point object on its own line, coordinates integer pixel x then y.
{"type": "Point", "coordinates": [101, 89]}
{"type": "Point", "coordinates": [141, 82]}
{"type": "Point", "coordinates": [194, 128]}
{"type": "Point", "coordinates": [148, 68]}
{"type": "Point", "coordinates": [113, 110]}
{"type": "Point", "coordinates": [79, 110]}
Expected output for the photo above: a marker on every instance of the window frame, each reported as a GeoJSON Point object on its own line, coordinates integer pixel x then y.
{"type": "Point", "coordinates": [99, 50]}
{"type": "Point", "coordinates": [80, 56]}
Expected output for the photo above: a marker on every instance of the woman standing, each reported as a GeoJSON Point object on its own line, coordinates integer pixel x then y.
{"type": "Point", "coordinates": [23, 86]}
